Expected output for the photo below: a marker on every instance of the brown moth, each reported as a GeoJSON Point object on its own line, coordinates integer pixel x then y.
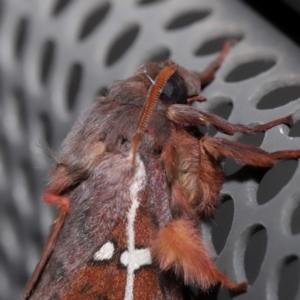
{"type": "Point", "coordinates": [133, 182]}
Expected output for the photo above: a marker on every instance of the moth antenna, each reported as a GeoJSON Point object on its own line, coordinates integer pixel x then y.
{"type": "Point", "coordinates": [153, 94]}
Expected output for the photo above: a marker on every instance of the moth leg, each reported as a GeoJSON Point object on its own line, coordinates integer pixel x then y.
{"type": "Point", "coordinates": [45, 255]}
{"type": "Point", "coordinates": [220, 148]}
{"type": "Point", "coordinates": [179, 247]}
{"type": "Point", "coordinates": [185, 115]}
{"type": "Point", "coordinates": [207, 75]}
{"type": "Point", "coordinates": [72, 169]}
{"type": "Point", "coordinates": [61, 201]}
{"type": "Point", "coordinates": [285, 154]}
{"type": "Point", "coordinates": [213, 150]}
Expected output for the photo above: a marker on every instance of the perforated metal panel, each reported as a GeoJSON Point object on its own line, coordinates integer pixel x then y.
{"type": "Point", "coordinates": [57, 56]}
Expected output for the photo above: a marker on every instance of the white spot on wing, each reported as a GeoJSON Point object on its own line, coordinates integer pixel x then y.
{"type": "Point", "coordinates": [141, 257]}
{"type": "Point", "coordinates": [105, 252]}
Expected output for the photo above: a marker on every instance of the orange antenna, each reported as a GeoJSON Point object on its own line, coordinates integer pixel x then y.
{"type": "Point", "coordinates": [153, 94]}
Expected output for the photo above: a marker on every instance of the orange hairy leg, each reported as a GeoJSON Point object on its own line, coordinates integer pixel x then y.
{"type": "Point", "coordinates": [214, 150]}
{"type": "Point", "coordinates": [245, 154]}
{"type": "Point", "coordinates": [62, 202]}
{"type": "Point", "coordinates": [178, 246]}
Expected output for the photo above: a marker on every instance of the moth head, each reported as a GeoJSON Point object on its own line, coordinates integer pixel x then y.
{"type": "Point", "coordinates": [172, 85]}
{"type": "Point", "coordinates": [178, 87]}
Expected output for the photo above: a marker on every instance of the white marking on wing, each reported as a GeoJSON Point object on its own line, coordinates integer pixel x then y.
{"type": "Point", "coordinates": [141, 257]}
{"type": "Point", "coordinates": [105, 252]}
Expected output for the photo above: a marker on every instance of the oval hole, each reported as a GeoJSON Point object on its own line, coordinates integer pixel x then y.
{"type": "Point", "coordinates": [289, 279]}
{"type": "Point", "coordinates": [159, 55]}
{"type": "Point", "coordinates": [4, 170]}
{"type": "Point", "coordinates": [223, 294]}
{"type": "Point", "coordinates": [14, 117]}
{"type": "Point", "coordinates": [47, 58]}
{"type": "Point", "coordinates": [255, 139]}
{"type": "Point", "coordinates": [187, 18]}
{"type": "Point", "coordinates": [279, 97]}
{"type": "Point", "coordinates": [28, 175]}
{"type": "Point", "coordinates": [275, 180]}
{"type": "Point", "coordinates": [122, 44]}
{"type": "Point", "coordinates": [142, 2]}
{"type": "Point", "coordinates": [93, 20]}
{"type": "Point", "coordinates": [11, 248]}
{"type": "Point", "coordinates": [73, 85]}
{"type": "Point", "coordinates": [24, 190]}
{"type": "Point", "coordinates": [231, 166]}
{"type": "Point", "coordinates": [21, 37]}
{"type": "Point", "coordinates": [255, 252]}
{"type": "Point", "coordinates": [1, 11]}
{"type": "Point", "coordinates": [250, 69]}
{"type": "Point", "coordinates": [60, 5]}
{"type": "Point", "coordinates": [222, 223]}
{"type": "Point", "coordinates": [295, 130]}
{"type": "Point", "coordinates": [216, 45]}
{"type": "Point", "coordinates": [42, 139]}
{"type": "Point", "coordinates": [20, 107]}
{"type": "Point", "coordinates": [222, 109]}
{"type": "Point", "coordinates": [295, 220]}
{"type": "Point", "coordinates": [46, 134]}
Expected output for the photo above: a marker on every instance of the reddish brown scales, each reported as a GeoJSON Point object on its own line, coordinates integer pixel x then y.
{"type": "Point", "coordinates": [130, 226]}
{"type": "Point", "coordinates": [97, 278]}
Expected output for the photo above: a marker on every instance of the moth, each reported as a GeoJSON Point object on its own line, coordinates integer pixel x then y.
{"type": "Point", "coordinates": [133, 182]}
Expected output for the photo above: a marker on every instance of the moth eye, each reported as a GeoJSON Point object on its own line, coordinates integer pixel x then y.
{"type": "Point", "coordinates": [174, 91]}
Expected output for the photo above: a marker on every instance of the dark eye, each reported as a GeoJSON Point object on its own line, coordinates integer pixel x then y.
{"type": "Point", "coordinates": [174, 91]}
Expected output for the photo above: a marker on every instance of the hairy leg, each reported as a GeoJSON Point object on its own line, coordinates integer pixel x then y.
{"type": "Point", "coordinates": [178, 246]}
{"type": "Point", "coordinates": [220, 148]}
{"type": "Point", "coordinates": [214, 150]}
{"type": "Point", "coordinates": [46, 253]}
{"type": "Point", "coordinates": [185, 115]}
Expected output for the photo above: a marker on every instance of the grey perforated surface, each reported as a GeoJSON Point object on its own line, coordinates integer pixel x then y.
{"type": "Point", "coordinates": [55, 58]}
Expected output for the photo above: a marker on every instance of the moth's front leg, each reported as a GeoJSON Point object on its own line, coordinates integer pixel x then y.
{"type": "Point", "coordinates": [178, 247]}
{"type": "Point", "coordinates": [214, 150]}
{"type": "Point", "coordinates": [71, 170]}
{"type": "Point", "coordinates": [185, 115]}
{"type": "Point", "coordinates": [207, 75]}
{"type": "Point", "coordinates": [56, 227]}
{"type": "Point", "coordinates": [219, 149]}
